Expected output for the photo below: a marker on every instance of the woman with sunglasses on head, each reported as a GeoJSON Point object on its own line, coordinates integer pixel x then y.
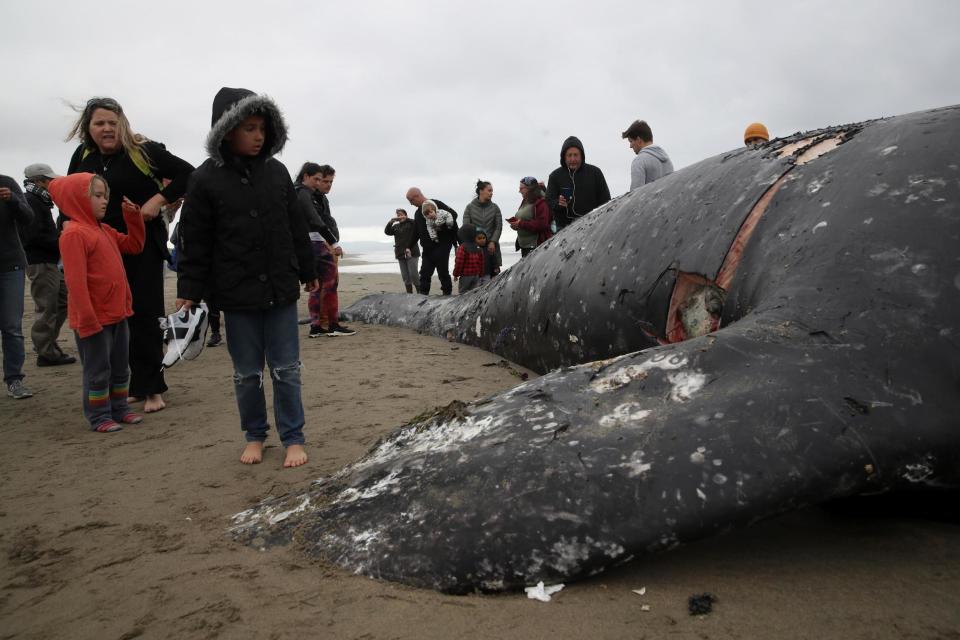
{"type": "Point", "coordinates": [532, 221]}
{"type": "Point", "coordinates": [144, 172]}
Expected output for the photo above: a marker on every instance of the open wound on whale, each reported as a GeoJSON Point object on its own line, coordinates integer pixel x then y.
{"type": "Point", "coordinates": [697, 302]}
{"type": "Point", "coordinates": [695, 307]}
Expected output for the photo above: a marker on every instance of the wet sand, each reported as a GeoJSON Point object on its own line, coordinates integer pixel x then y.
{"type": "Point", "coordinates": [123, 535]}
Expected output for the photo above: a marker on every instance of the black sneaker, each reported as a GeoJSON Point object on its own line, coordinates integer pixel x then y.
{"type": "Point", "coordinates": [55, 362]}
{"type": "Point", "coordinates": [339, 330]}
{"type": "Point", "coordinates": [215, 339]}
{"type": "Point", "coordinates": [316, 332]}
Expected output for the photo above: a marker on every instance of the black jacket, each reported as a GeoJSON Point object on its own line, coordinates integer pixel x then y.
{"type": "Point", "coordinates": [126, 179]}
{"type": "Point", "coordinates": [587, 187]}
{"type": "Point", "coordinates": [15, 217]}
{"type": "Point", "coordinates": [41, 240]}
{"type": "Point", "coordinates": [445, 237]}
{"type": "Point", "coordinates": [316, 211]}
{"type": "Point", "coordinates": [404, 237]}
{"type": "Point", "coordinates": [243, 236]}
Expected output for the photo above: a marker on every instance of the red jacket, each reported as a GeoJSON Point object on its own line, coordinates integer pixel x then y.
{"type": "Point", "coordinates": [97, 289]}
{"type": "Point", "coordinates": [540, 222]}
{"type": "Point", "coordinates": [468, 263]}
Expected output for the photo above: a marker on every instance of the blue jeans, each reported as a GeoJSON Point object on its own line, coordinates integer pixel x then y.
{"type": "Point", "coordinates": [11, 323]}
{"type": "Point", "coordinates": [270, 335]}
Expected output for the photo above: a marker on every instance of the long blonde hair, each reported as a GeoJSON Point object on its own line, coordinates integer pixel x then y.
{"type": "Point", "coordinates": [132, 142]}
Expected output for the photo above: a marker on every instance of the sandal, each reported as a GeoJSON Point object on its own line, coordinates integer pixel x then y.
{"type": "Point", "coordinates": [131, 418]}
{"type": "Point", "coordinates": [108, 426]}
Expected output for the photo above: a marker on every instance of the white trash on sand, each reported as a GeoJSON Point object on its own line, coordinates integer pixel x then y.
{"type": "Point", "coordinates": [541, 592]}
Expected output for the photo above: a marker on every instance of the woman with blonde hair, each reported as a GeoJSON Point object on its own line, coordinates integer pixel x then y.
{"type": "Point", "coordinates": [135, 169]}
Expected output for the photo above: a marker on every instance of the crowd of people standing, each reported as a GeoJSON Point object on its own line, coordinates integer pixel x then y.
{"type": "Point", "coordinates": [248, 238]}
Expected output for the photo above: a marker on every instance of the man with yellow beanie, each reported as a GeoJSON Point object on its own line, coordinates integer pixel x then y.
{"type": "Point", "coordinates": [755, 134]}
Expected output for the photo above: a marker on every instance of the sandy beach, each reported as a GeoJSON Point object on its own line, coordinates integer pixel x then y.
{"type": "Point", "coordinates": [123, 535]}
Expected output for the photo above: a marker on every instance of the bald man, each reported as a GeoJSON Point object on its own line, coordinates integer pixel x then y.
{"type": "Point", "coordinates": [435, 254]}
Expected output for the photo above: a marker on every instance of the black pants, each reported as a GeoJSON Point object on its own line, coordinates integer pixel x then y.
{"type": "Point", "coordinates": [214, 318]}
{"type": "Point", "coordinates": [145, 275]}
{"type": "Point", "coordinates": [436, 258]}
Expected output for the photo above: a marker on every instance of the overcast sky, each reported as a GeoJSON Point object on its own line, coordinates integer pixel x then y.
{"type": "Point", "coordinates": [439, 94]}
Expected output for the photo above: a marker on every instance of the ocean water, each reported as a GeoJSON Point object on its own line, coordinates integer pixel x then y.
{"type": "Point", "coordinates": [382, 261]}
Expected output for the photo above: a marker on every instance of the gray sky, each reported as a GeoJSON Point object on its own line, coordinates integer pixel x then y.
{"type": "Point", "coordinates": [439, 94]}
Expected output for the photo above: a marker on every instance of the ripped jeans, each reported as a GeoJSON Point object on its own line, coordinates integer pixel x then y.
{"type": "Point", "coordinates": [269, 335]}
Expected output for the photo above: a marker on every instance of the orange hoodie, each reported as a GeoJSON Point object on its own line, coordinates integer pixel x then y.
{"type": "Point", "coordinates": [97, 289]}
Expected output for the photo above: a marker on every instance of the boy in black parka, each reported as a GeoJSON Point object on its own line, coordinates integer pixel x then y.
{"type": "Point", "coordinates": [245, 248]}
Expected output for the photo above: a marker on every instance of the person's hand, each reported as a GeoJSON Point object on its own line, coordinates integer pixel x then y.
{"type": "Point", "coordinates": [183, 303]}
{"type": "Point", "coordinates": [313, 285]}
{"type": "Point", "coordinates": [513, 224]}
{"type": "Point", "coordinates": [151, 208]}
{"type": "Point", "coordinates": [66, 223]}
{"type": "Point", "coordinates": [407, 253]}
{"type": "Point", "coordinates": [491, 248]}
{"type": "Point", "coordinates": [562, 202]}
{"type": "Point", "coordinates": [5, 193]}
{"type": "Point", "coordinates": [170, 211]}
{"type": "Point", "coordinates": [129, 206]}
{"type": "Point", "coordinates": [338, 251]}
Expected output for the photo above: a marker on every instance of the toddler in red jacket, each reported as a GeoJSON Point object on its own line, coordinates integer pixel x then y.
{"type": "Point", "coordinates": [470, 266]}
{"type": "Point", "coordinates": [99, 300]}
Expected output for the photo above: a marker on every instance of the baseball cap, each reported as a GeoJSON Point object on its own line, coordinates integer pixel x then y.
{"type": "Point", "coordinates": [39, 170]}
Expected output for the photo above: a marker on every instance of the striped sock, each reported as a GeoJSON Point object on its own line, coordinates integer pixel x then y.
{"type": "Point", "coordinates": [108, 426]}
{"type": "Point", "coordinates": [97, 398]}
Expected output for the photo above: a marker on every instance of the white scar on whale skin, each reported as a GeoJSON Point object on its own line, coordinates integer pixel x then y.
{"type": "Point", "coordinates": [624, 414]}
{"type": "Point", "coordinates": [625, 375]}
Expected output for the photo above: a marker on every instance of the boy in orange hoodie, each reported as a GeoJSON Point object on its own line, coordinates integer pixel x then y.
{"type": "Point", "coordinates": [99, 300]}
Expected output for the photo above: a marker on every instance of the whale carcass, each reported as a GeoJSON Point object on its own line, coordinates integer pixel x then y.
{"type": "Point", "coordinates": [766, 329]}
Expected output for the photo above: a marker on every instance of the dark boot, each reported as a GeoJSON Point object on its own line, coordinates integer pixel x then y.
{"type": "Point", "coordinates": [409, 288]}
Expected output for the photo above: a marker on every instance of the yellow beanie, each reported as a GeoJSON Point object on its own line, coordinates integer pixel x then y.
{"type": "Point", "coordinates": [756, 130]}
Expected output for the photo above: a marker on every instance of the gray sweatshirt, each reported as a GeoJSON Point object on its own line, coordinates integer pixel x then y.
{"type": "Point", "coordinates": [651, 163]}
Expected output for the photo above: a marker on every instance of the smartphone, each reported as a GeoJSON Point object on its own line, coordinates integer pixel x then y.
{"type": "Point", "coordinates": [566, 192]}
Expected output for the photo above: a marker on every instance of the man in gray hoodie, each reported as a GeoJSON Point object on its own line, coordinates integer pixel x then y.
{"type": "Point", "coordinates": [652, 161]}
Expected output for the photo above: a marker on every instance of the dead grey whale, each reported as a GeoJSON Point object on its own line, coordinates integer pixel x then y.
{"type": "Point", "coordinates": [767, 329]}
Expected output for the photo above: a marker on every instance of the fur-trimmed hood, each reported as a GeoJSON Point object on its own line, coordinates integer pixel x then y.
{"type": "Point", "coordinates": [233, 106]}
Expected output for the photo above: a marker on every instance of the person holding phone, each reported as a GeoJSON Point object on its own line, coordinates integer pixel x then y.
{"type": "Point", "coordinates": [532, 221]}
{"type": "Point", "coordinates": [575, 188]}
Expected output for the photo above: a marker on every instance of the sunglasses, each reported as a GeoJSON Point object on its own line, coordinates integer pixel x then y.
{"type": "Point", "coordinates": [104, 103]}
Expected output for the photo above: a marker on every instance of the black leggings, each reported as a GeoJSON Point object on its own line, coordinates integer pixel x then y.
{"type": "Point", "coordinates": [145, 275]}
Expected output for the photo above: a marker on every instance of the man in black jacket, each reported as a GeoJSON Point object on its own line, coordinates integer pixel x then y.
{"type": "Point", "coordinates": [41, 243]}
{"type": "Point", "coordinates": [575, 188]}
{"type": "Point", "coordinates": [15, 214]}
{"type": "Point", "coordinates": [435, 254]}
{"type": "Point", "coordinates": [313, 185]}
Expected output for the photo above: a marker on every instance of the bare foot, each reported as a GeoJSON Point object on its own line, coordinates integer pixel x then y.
{"type": "Point", "coordinates": [296, 456]}
{"type": "Point", "coordinates": [154, 403]}
{"type": "Point", "coordinates": [134, 399]}
{"type": "Point", "coordinates": [252, 453]}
